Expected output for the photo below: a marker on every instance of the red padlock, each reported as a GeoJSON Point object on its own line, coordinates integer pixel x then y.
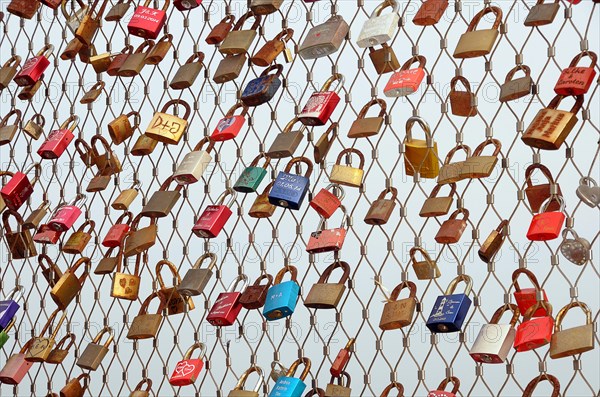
{"type": "Point", "coordinates": [576, 80]}
{"type": "Point", "coordinates": [65, 216]}
{"type": "Point", "coordinates": [440, 392]}
{"type": "Point", "coordinates": [227, 306]}
{"type": "Point", "coordinates": [229, 126]}
{"type": "Point", "coordinates": [547, 224]}
{"type": "Point", "coordinates": [326, 202]}
{"type": "Point", "coordinates": [147, 22]}
{"type": "Point", "coordinates": [214, 217]}
{"type": "Point", "coordinates": [16, 367]}
{"type": "Point", "coordinates": [187, 370]}
{"type": "Point", "coordinates": [54, 4]}
{"type": "Point", "coordinates": [34, 68]}
{"type": "Point", "coordinates": [534, 332]}
{"type": "Point", "coordinates": [117, 232]}
{"type": "Point", "coordinates": [329, 239]}
{"type": "Point", "coordinates": [46, 235]}
{"type": "Point", "coordinates": [527, 297]}
{"type": "Point", "coordinates": [186, 5]}
{"type": "Point", "coordinates": [406, 81]}
{"type": "Point", "coordinates": [19, 188]}
{"type": "Point", "coordinates": [321, 104]}
{"type": "Point", "coordinates": [342, 359]}
{"type": "Point", "coordinates": [59, 139]}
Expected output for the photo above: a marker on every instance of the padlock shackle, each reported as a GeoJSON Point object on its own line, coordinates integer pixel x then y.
{"type": "Point", "coordinates": [340, 379]}
{"type": "Point", "coordinates": [16, 112]}
{"type": "Point", "coordinates": [503, 223]}
{"type": "Point", "coordinates": [464, 278]}
{"type": "Point", "coordinates": [104, 331]}
{"type": "Point", "coordinates": [463, 211]}
{"type": "Point", "coordinates": [563, 312]}
{"type": "Point", "coordinates": [294, 367]}
{"type": "Point", "coordinates": [145, 381]}
{"type": "Point", "coordinates": [461, 79]}
{"type": "Point", "coordinates": [514, 70]}
{"type": "Point", "coordinates": [412, 287]}
{"type": "Point", "coordinates": [83, 148]}
{"type": "Point", "coordinates": [528, 315]}
{"type": "Point", "coordinates": [591, 54]}
{"type": "Point", "coordinates": [10, 325]}
{"type": "Point", "coordinates": [202, 142]}
{"type": "Point", "coordinates": [267, 188]}
{"type": "Point", "coordinates": [26, 346]}
{"type": "Point", "coordinates": [376, 101]}
{"type": "Point", "coordinates": [394, 385]}
{"type": "Point", "coordinates": [199, 55]}
{"type": "Point", "coordinates": [528, 392]}
{"type": "Point", "coordinates": [242, 381]}
{"type": "Point", "coordinates": [50, 265]}
{"type": "Point", "coordinates": [240, 22]}
{"type": "Point", "coordinates": [238, 105]}
{"type": "Point", "coordinates": [544, 171]}
{"type": "Point", "coordinates": [262, 277]}
{"type": "Point", "coordinates": [587, 181]}
{"type": "Point", "coordinates": [15, 60]}
{"type": "Point", "coordinates": [78, 198]}
{"type": "Point", "coordinates": [90, 223]}
{"type": "Point", "coordinates": [86, 380]}
{"type": "Point", "coordinates": [382, 6]}
{"type": "Point", "coordinates": [234, 284]}
{"type": "Point", "coordinates": [503, 309]}
{"type": "Point", "coordinates": [455, 384]}
{"type": "Point", "coordinates": [71, 337]}
{"type": "Point", "coordinates": [208, 255]}
{"type": "Point", "coordinates": [452, 152]}
{"type": "Point", "coordinates": [329, 269]}
{"type": "Point", "coordinates": [229, 192]}
{"type": "Point", "coordinates": [50, 321]}
{"type": "Point", "coordinates": [348, 151]}
{"type": "Point", "coordinates": [424, 125]}
{"type": "Point", "coordinates": [285, 35]}
{"type": "Point", "coordinates": [146, 304]}
{"type": "Point", "coordinates": [436, 190]}
{"type": "Point", "coordinates": [336, 188]}
{"type": "Point", "coordinates": [414, 59]}
{"type": "Point", "coordinates": [335, 77]}
{"type": "Point", "coordinates": [491, 141]}
{"type": "Point", "coordinates": [76, 266]}
{"type": "Point", "coordinates": [120, 219]}
{"type": "Point", "coordinates": [165, 6]}
{"type": "Point", "coordinates": [529, 275]}
{"type": "Point", "coordinates": [165, 185]}
{"type": "Point", "coordinates": [74, 120]}
{"type": "Point", "coordinates": [160, 265]}
{"type": "Point", "coordinates": [426, 256]}
{"type": "Point", "coordinates": [176, 102]}
{"type": "Point", "coordinates": [19, 289]}
{"type": "Point", "coordinates": [344, 219]}
{"type": "Point", "coordinates": [488, 9]}
{"type": "Point", "coordinates": [46, 50]}
{"type": "Point", "coordinates": [263, 155]}
{"type": "Point", "coordinates": [291, 269]}
{"type": "Point", "coordinates": [127, 49]}
{"type": "Point", "coordinates": [5, 217]}
{"type": "Point", "coordinates": [288, 127]}
{"type": "Point", "coordinates": [276, 66]}
{"type": "Point", "coordinates": [553, 197]}
{"type": "Point", "coordinates": [555, 102]}
{"type": "Point", "coordinates": [305, 160]}
{"type": "Point", "coordinates": [385, 191]}
{"type": "Point", "coordinates": [190, 351]}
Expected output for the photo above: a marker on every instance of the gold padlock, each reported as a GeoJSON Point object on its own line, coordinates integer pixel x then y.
{"type": "Point", "coordinates": [261, 207]}
{"type": "Point", "coordinates": [188, 72]}
{"type": "Point", "coordinates": [139, 240]}
{"type": "Point", "coordinates": [399, 313]}
{"type": "Point", "coordinates": [452, 172]}
{"type": "Point", "coordinates": [101, 62]}
{"type": "Point", "coordinates": [493, 242]}
{"type": "Point", "coordinates": [437, 206]}
{"type": "Point", "coordinates": [138, 392]}
{"type": "Point", "coordinates": [69, 285]}
{"type": "Point", "coordinates": [347, 175]}
{"type": "Point", "coordinates": [239, 389]}
{"type": "Point", "coordinates": [120, 129]}
{"type": "Point", "coordinates": [174, 302]}
{"type": "Point", "coordinates": [426, 269]}
{"type": "Point", "coordinates": [134, 63]}
{"type": "Point", "coordinates": [35, 126]}
{"type": "Point", "coordinates": [145, 325]}
{"type": "Point", "coordinates": [74, 388]}
{"type": "Point", "coordinates": [79, 239]}
{"type": "Point", "coordinates": [287, 141]}
{"type": "Point", "coordinates": [42, 345]}
{"type": "Point", "coordinates": [7, 132]}
{"type": "Point", "coordinates": [126, 197]}
{"type": "Point", "coordinates": [9, 70]}
{"type": "Point", "coordinates": [364, 126]}
{"type": "Point", "coordinates": [127, 286]}
{"type": "Point", "coordinates": [50, 270]}
{"type": "Point", "coordinates": [239, 40]}
{"type": "Point", "coordinates": [108, 163]}
{"type": "Point", "coordinates": [90, 23]}
{"type": "Point", "coordinates": [160, 50]}
{"type": "Point", "coordinates": [478, 166]}
{"type": "Point", "coordinates": [572, 341]}
{"type": "Point", "coordinates": [20, 243]}
{"type": "Point", "coordinates": [420, 156]}
{"type": "Point", "coordinates": [168, 128]}
{"type": "Point", "coordinates": [477, 43]}
{"type": "Point", "coordinates": [60, 352]}
{"type": "Point", "coordinates": [118, 11]}
{"type": "Point", "coordinates": [325, 295]}
{"type": "Point", "coordinates": [93, 93]}
{"type": "Point", "coordinates": [324, 143]}
{"type": "Point", "coordinates": [94, 353]}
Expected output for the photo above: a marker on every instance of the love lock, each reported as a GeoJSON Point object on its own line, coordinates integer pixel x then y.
{"type": "Point", "coordinates": [588, 191]}
{"type": "Point", "coordinates": [576, 249]}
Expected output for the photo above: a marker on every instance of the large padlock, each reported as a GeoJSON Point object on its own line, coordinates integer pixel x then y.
{"type": "Point", "coordinates": [23, 8]}
{"type": "Point", "coordinates": [19, 187]}
{"type": "Point", "coordinates": [7, 132]}
{"type": "Point", "coordinates": [187, 370]}
{"type": "Point", "coordinates": [58, 140]}
{"type": "Point", "coordinates": [138, 392]}
{"type": "Point", "coordinates": [287, 141]}
{"type": "Point", "coordinates": [60, 351]}
{"type": "Point", "coordinates": [476, 43]}
{"type": "Point", "coordinates": [193, 165]}
{"type": "Point", "coordinates": [572, 341]}
{"type": "Point", "coordinates": [495, 341]}
{"type": "Point", "coordinates": [551, 126]}
{"type": "Point", "coordinates": [255, 295]}
{"type": "Point", "coordinates": [282, 297]}
{"type": "Point", "coordinates": [173, 301]}
{"type": "Point", "coordinates": [77, 241]}
{"type": "Point", "coordinates": [262, 207]}
{"type": "Point", "coordinates": [33, 69]}
{"type": "Point", "coordinates": [394, 385]}
{"type": "Point", "coordinates": [69, 285]}
{"type": "Point", "coordinates": [239, 389]}
{"type": "Point", "coordinates": [168, 128]}
{"type": "Point", "coordinates": [420, 156]}
{"type": "Point", "coordinates": [381, 209]}
{"type": "Point", "coordinates": [220, 30]}
{"type": "Point", "coordinates": [536, 332]}
{"type": "Point", "coordinates": [118, 60]}
{"type": "Point", "coordinates": [426, 269]}
{"type": "Point", "coordinates": [289, 189]}
{"type": "Point", "coordinates": [94, 353]}
{"type": "Point", "coordinates": [437, 206]}
{"type": "Point", "coordinates": [66, 215]}
{"type": "Point", "coordinates": [364, 126]}
{"type": "Point", "coordinates": [547, 225]}
{"type": "Point", "coordinates": [441, 389]}
{"type": "Point", "coordinates": [117, 232]}
{"type": "Point", "coordinates": [261, 89]}
{"type": "Point", "coordinates": [265, 7]}
{"type": "Point", "coordinates": [324, 39]}
{"type": "Point", "coordinates": [430, 12]}
{"type": "Point", "coordinates": [146, 21]}
{"type": "Point", "coordinates": [478, 166]}
{"type": "Point", "coordinates": [342, 359]}
{"type": "Point", "coordinates": [188, 72]}
{"type": "Point", "coordinates": [462, 103]}
{"type": "Point", "coordinates": [10, 306]}
{"type": "Point", "coordinates": [450, 310]}
{"type": "Point", "coordinates": [214, 217]}
{"type": "Point", "coordinates": [195, 280]}
{"type": "Point", "coordinates": [326, 295]}
{"type": "Point", "coordinates": [20, 242]}
{"type": "Point", "coordinates": [49, 269]}
{"type": "Point", "coordinates": [185, 5]}
{"type": "Point", "coordinates": [384, 59]}
{"type": "Point", "coordinates": [140, 240]}
{"type": "Point", "coordinates": [250, 179]}
{"type": "Point", "coordinates": [346, 174]}
{"type": "Point", "coordinates": [576, 250]}
{"type": "Point", "coordinates": [118, 11]}
{"type": "Point", "coordinates": [328, 240]}
{"type": "Point", "coordinates": [230, 67]}
{"type": "Point", "coordinates": [576, 80]}
{"type": "Point", "coordinates": [160, 50]}
{"type": "Point", "coordinates": [325, 142]}
{"type": "Point", "coordinates": [126, 197]}
{"type": "Point", "coordinates": [227, 307]}
{"type": "Point", "coordinates": [230, 125]}
{"type": "Point", "coordinates": [452, 229]}
{"type": "Point", "coordinates": [16, 367]}
{"type": "Point", "coordinates": [125, 285]}
{"type": "Point", "coordinates": [537, 194]}
{"type": "Point", "coordinates": [380, 27]}
{"type": "Point", "coordinates": [239, 40]}
{"type": "Point", "coordinates": [272, 48]}
{"type": "Point", "coordinates": [399, 313]}
{"type": "Point", "coordinates": [321, 104]}
{"type": "Point", "coordinates": [162, 201]}
{"type": "Point", "coordinates": [342, 388]}
{"type": "Point", "coordinates": [90, 23]}
{"type": "Point", "coordinates": [74, 388]}
{"type": "Point", "coordinates": [76, 15]}
{"type": "Point", "coordinates": [131, 63]}
{"type": "Point", "coordinates": [528, 392]}
{"type": "Point", "coordinates": [406, 80]}
{"type": "Point", "coordinates": [94, 92]}
{"type": "Point", "coordinates": [493, 242]}
{"type": "Point", "coordinates": [517, 88]}
{"type": "Point", "coordinates": [326, 202]}
{"type": "Point", "coordinates": [9, 70]}
{"type": "Point", "coordinates": [528, 297]}
{"type": "Point", "coordinates": [451, 172]}
{"type": "Point", "coordinates": [288, 385]}
{"type": "Point", "coordinates": [542, 13]}
{"type": "Point", "coordinates": [146, 325]}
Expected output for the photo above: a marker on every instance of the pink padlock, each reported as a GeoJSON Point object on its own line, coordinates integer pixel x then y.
{"type": "Point", "coordinates": [406, 80]}
{"type": "Point", "coordinates": [16, 367]}
{"type": "Point", "coordinates": [59, 139]}
{"type": "Point", "coordinates": [117, 232]}
{"type": "Point", "coordinates": [65, 216]}
{"type": "Point", "coordinates": [441, 392]}
{"type": "Point", "coordinates": [214, 217]}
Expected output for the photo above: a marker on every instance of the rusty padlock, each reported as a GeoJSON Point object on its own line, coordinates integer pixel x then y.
{"type": "Point", "coordinates": [7, 132]}
{"type": "Point", "coordinates": [430, 12]}
{"type": "Point", "coordinates": [79, 240]}
{"type": "Point", "coordinates": [262, 207]}
{"type": "Point", "coordinates": [452, 229]}
{"type": "Point", "coordinates": [384, 59]}
{"type": "Point", "coordinates": [255, 295]}
{"type": "Point", "coordinates": [220, 30]}
{"type": "Point", "coordinates": [381, 209]}
{"type": "Point", "coordinates": [138, 392]}
{"type": "Point", "coordinates": [118, 60]}
{"type": "Point", "coordinates": [74, 388]}
{"type": "Point", "coordinates": [324, 143]}
{"type": "Point", "coordinates": [272, 48]}
{"type": "Point", "coordinates": [537, 194]}
{"type": "Point", "coordinates": [426, 269]}
{"type": "Point", "coordinates": [173, 300]}
{"type": "Point", "coordinates": [121, 129]}
{"type": "Point", "coordinates": [326, 202]}
{"type": "Point", "coordinates": [462, 103]}
{"type": "Point", "coordinates": [90, 23]}
{"type": "Point", "coordinates": [493, 242]}
{"type": "Point", "coordinates": [93, 93]}
{"type": "Point", "coordinates": [364, 126]}
{"type": "Point", "coordinates": [60, 351]}
{"type": "Point", "coordinates": [528, 392]}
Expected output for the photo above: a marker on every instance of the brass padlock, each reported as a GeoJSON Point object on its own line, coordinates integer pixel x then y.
{"type": "Point", "coordinates": [168, 128]}
{"type": "Point", "coordinates": [537, 194]}
{"type": "Point", "coordinates": [160, 50]}
{"type": "Point", "coordinates": [35, 126]}
{"type": "Point", "coordinates": [120, 129]}
{"type": "Point", "coordinates": [86, 154]}
{"type": "Point", "coordinates": [381, 209]}
{"type": "Point", "coordinates": [437, 206]}
{"type": "Point", "coordinates": [493, 242]}
{"type": "Point", "coordinates": [108, 263]}
{"type": "Point", "coordinates": [230, 68]}
{"type": "Point", "coordinates": [517, 88]}
{"type": "Point", "coordinates": [134, 63]}
{"type": "Point", "coordinates": [74, 19]}
{"type": "Point", "coordinates": [171, 298]}
{"type": "Point", "coordinates": [342, 388]}
{"type": "Point", "coordinates": [426, 269]}
{"type": "Point", "coordinates": [239, 389]}
{"type": "Point", "coordinates": [452, 229]}
{"type": "Point", "coordinates": [118, 11]}
{"type": "Point", "coordinates": [324, 39]}
{"type": "Point", "coordinates": [7, 132]}
{"type": "Point", "coordinates": [107, 162]}
{"type": "Point", "coordinates": [20, 243]}
{"type": "Point", "coordinates": [324, 295]}
{"type": "Point", "coordinates": [239, 40]}
{"type": "Point", "coordinates": [86, 53]}
{"type": "Point", "coordinates": [477, 43]}
{"type": "Point", "coordinates": [41, 347]}
{"type": "Point", "coordinates": [452, 172]}
{"type": "Point", "coordinates": [28, 92]}
{"type": "Point", "coordinates": [93, 94]}
{"type": "Point", "coordinates": [399, 313]}
{"type": "Point", "coordinates": [94, 353]}
{"type": "Point", "coordinates": [220, 30]}
{"type": "Point", "coordinates": [345, 174]}
{"type": "Point", "coordinates": [162, 201]}
{"type": "Point", "coordinates": [145, 325]}
{"type": "Point", "coordinates": [118, 60]}
{"type": "Point", "coordinates": [572, 341]}
{"type": "Point", "coordinates": [60, 351]}
{"type": "Point", "coordinates": [195, 280]}
{"type": "Point", "coordinates": [287, 141]}
{"type": "Point", "coordinates": [90, 23]}
{"type": "Point", "coordinates": [126, 197]}
{"type": "Point", "coordinates": [478, 166]}
{"type": "Point", "coordinates": [74, 388]}
{"type": "Point", "coordinates": [50, 270]}
{"type": "Point", "coordinates": [188, 72]}
{"type": "Point", "coordinates": [462, 103]}
{"type": "Point", "coordinates": [79, 239]}
{"type": "Point", "coordinates": [542, 13]}
{"type": "Point", "coordinates": [9, 70]}
{"type": "Point", "coordinates": [384, 59]}
{"type": "Point", "coordinates": [261, 207]}
{"type": "Point", "coordinates": [138, 392]}
{"type": "Point", "coordinates": [72, 49]}
{"type": "Point", "coordinates": [69, 285]}
{"type": "Point", "coordinates": [365, 126]}
{"type": "Point", "coordinates": [420, 156]}
{"type": "Point", "coordinates": [324, 143]}
{"type": "Point", "coordinates": [125, 285]}
{"type": "Point", "coordinates": [139, 240]}
{"type": "Point", "coordinates": [265, 7]}
{"type": "Point", "coordinates": [272, 48]}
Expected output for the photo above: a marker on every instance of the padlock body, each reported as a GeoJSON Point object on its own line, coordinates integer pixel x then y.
{"type": "Point", "coordinates": [228, 128]}
{"type": "Point", "coordinates": [340, 362]}
{"type": "Point", "coordinates": [289, 190]}
{"type": "Point", "coordinates": [397, 314]}
{"type": "Point", "coordinates": [194, 281]}
{"type": "Point", "coordinates": [186, 372]}
{"type": "Point", "coordinates": [288, 387]}
{"type": "Point", "coordinates": [185, 5]}
{"type": "Point", "coordinates": [515, 89]}
{"type": "Point", "coordinates": [250, 179]}
{"type": "Point", "coordinates": [476, 43]}
{"type": "Point", "coordinates": [260, 90]}
{"type": "Point", "coordinates": [161, 203]}
{"type": "Point", "coordinates": [192, 167]}
{"type": "Point", "coordinates": [493, 343]}
{"type": "Point", "coordinates": [115, 235]}
{"type": "Point", "coordinates": [319, 108]}
{"type": "Point", "coordinates": [380, 211]}
{"type": "Point", "coordinates": [254, 296]}
{"type": "Point", "coordinates": [212, 221]}
{"type": "Point", "coordinates": [378, 29]}
{"type": "Point", "coordinates": [15, 369]}
{"type": "Point", "coordinates": [225, 310]}
{"type": "Point", "coordinates": [65, 218]}
{"type": "Point", "coordinates": [542, 14]}
{"type": "Point", "coordinates": [448, 313]}
{"type": "Point", "coordinates": [575, 80]}
{"type": "Point", "coordinates": [16, 191]}
{"type": "Point", "coordinates": [166, 128]}
{"type": "Point", "coordinates": [404, 82]}
{"type": "Point", "coordinates": [549, 129]}
{"type": "Point", "coordinates": [144, 326]}
{"type": "Point", "coordinates": [46, 235]}
{"type": "Point", "coordinates": [572, 341]}
{"type": "Point", "coordinates": [324, 39]}
{"type": "Point", "coordinates": [324, 295]}
{"type": "Point", "coordinates": [125, 286]}
{"type": "Point", "coordinates": [546, 226]}
{"type": "Point", "coordinates": [56, 144]}
{"type": "Point", "coordinates": [325, 203]}
{"type": "Point", "coordinates": [31, 71]}
{"type": "Point", "coordinates": [430, 12]}
{"type": "Point", "coordinates": [440, 393]}
{"type": "Point", "coordinates": [146, 22]}
{"type": "Point", "coordinates": [534, 333]}
{"type": "Point", "coordinates": [65, 290]}
{"type": "Point", "coordinates": [76, 243]}
{"type": "Point", "coordinates": [327, 240]}
{"type": "Point", "coordinates": [8, 309]}
{"type": "Point", "coordinates": [526, 298]}
{"type": "Point", "coordinates": [281, 300]}
{"type": "Point", "coordinates": [92, 356]}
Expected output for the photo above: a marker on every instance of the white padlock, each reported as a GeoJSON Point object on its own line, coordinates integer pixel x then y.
{"type": "Point", "coordinates": [379, 28]}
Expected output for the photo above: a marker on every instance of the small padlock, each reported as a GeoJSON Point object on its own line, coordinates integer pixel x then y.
{"type": "Point", "coordinates": [441, 389]}
{"type": "Point", "coordinates": [450, 310]}
{"type": "Point", "coordinates": [462, 103]}
{"type": "Point", "coordinates": [452, 229]}
{"type": "Point", "coordinates": [108, 162]}
{"type": "Point", "coordinates": [140, 240]}
{"type": "Point", "coordinates": [265, 7]}
{"type": "Point", "coordinates": [239, 40]}
{"type": "Point", "coordinates": [119, 60]}
{"type": "Point", "coordinates": [16, 367]}
{"type": "Point", "coordinates": [94, 353]}
{"type": "Point", "coordinates": [528, 297]}
{"type": "Point", "coordinates": [9, 70]}
{"type": "Point", "coordinates": [327, 202]}
{"type": "Point", "coordinates": [516, 88]}
{"type": "Point", "coordinates": [118, 11]}
{"type": "Point", "coordinates": [394, 385]}
{"type": "Point", "coordinates": [547, 225]}
{"type": "Point", "coordinates": [93, 94]}
{"type": "Point", "coordinates": [426, 269]}
{"type": "Point", "coordinates": [58, 140]}
{"type": "Point", "coordinates": [69, 285]}
{"type": "Point", "coordinates": [28, 92]}
{"type": "Point", "coordinates": [326, 295]}
{"type": "Point", "coordinates": [364, 126]}
{"type": "Point", "coordinates": [536, 332]}
{"type": "Point", "coordinates": [33, 69]}
{"type": "Point", "coordinates": [250, 179]}
{"type": "Point", "coordinates": [125, 285]}
{"type": "Point", "coordinates": [79, 240]}
{"type": "Point", "coordinates": [131, 63]}
{"type": "Point", "coordinates": [117, 232]}
{"type": "Point", "coordinates": [288, 385]}
{"type": "Point", "coordinates": [169, 128]}
{"type": "Point", "coordinates": [289, 189]}
{"type": "Point", "coordinates": [214, 217]}
{"type": "Point", "coordinates": [255, 295]}
{"type": "Point", "coordinates": [230, 126]}
{"type": "Point", "coordinates": [188, 72]}
{"type": "Point", "coordinates": [147, 22]}
{"type": "Point", "coordinates": [451, 172]}
{"type": "Point", "coordinates": [407, 80]}
{"type": "Point", "coordinates": [279, 372]}
{"type": "Point", "coordinates": [341, 389]}
{"type": "Point", "coordinates": [324, 143]}
{"type": "Point", "coordinates": [74, 388]}
{"type": "Point", "coordinates": [437, 206]}
{"type": "Point", "coordinates": [287, 141]}
{"type": "Point", "coordinates": [577, 249]}
{"type": "Point", "coordinates": [399, 313]}
{"type": "Point", "coordinates": [341, 360]}
{"type": "Point", "coordinates": [20, 243]}
{"type": "Point", "coordinates": [138, 392]}
{"type": "Point", "coordinates": [74, 19]}
{"type": "Point", "coordinates": [66, 215]}
{"type": "Point", "coordinates": [126, 197]}
{"type": "Point", "coordinates": [227, 306]}
{"type": "Point", "coordinates": [493, 242]}
{"type": "Point", "coordinates": [478, 166]}
{"type": "Point", "coordinates": [572, 341]}
{"type": "Point", "coordinates": [35, 126]}
{"type": "Point", "coordinates": [46, 235]}
{"type": "Point", "coordinates": [72, 49]}
{"type": "Point", "coordinates": [60, 351]}
{"type": "Point", "coordinates": [162, 201]}
{"type": "Point", "coordinates": [108, 263]}
{"type": "Point", "coordinates": [345, 174]}
{"type": "Point", "coordinates": [145, 325]}
{"type": "Point", "coordinates": [261, 89]}
{"type": "Point", "coordinates": [420, 156]}
{"type": "Point", "coordinates": [328, 240]}
{"type": "Point", "coordinates": [86, 154]}
{"type": "Point", "coordinates": [430, 12]}
{"type": "Point", "coordinates": [50, 270]}
{"type": "Point", "coordinates": [282, 297]}
{"type": "Point", "coordinates": [542, 13]}
{"type": "Point", "coordinates": [7, 132]}
{"type": "Point", "coordinates": [20, 188]}
{"type": "Point", "coordinates": [384, 59]}
{"type": "Point", "coordinates": [195, 280]}
{"type": "Point", "coordinates": [220, 30]}
{"type": "Point", "coordinates": [160, 50]}
{"type": "Point", "coordinates": [90, 23]}
{"type": "Point", "coordinates": [321, 104]}
{"type": "Point", "coordinates": [187, 370]}
{"type": "Point", "coordinates": [238, 390]}
{"type": "Point", "coordinates": [121, 129]}
{"type": "Point", "coordinates": [381, 209]}
{"type": "Point", "coordinates": [10, 306]}
{"type": "Point", "coordinates": [272, 48]}
{"type": "Point", "coordinates": [174, 302]}
{"type": "Point", "coordinates": [380, 27]}
{"type": "Point", "coordinates": [193, 165]}
{"type": "Point", "coordinates": [537, 194]}
{"type": "Point", "coordinates": [577, 80]}
{"type": "Point", "coordinates": [495, 341]}
{"type": "Point", "coordinates": [528, 392]}
{"type": "Point", "coordinates": [262, 207]}
{"type": "Point", "coordinates": [476, 43]}
{"type": "Point", "coordinates": [230, 68]}
{"type": "Point", "coordinates": [324, 39]}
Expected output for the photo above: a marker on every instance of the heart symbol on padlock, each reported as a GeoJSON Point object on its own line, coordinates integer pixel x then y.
{"type": "Point", "coordinates": [123, 283]}
{"type": "Point", "coordinates": [588, 192]}
{"type": "Point", "coordinates": [183, 369]}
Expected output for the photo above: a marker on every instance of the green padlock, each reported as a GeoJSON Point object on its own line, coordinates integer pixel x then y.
{"type": "Point", "coordinates": [252, 176]}
{"type": "Point", "coordinates": [4, 334]}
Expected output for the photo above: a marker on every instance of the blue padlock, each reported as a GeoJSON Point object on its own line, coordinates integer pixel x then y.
{"type": "Point", "coordinates": [282, 296]}
{"type": "Point", "coordinates": [262, 88]}
{"type": "Point", "coordinates": [288, 386]}
{"type": "Point", "coordinates": [289, 189]}
{"type": "Point", "coordinates": [450, 309]}
{"type": "Point", "coordinates": [9, 307]}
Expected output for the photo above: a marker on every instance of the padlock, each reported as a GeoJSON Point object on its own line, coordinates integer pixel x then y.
{"type": "Point", "coordinates": [394, 385]}
{"type": "Point", "coordinates": [73, 19]}
{"type": "Point", "coordinates": [255, 295]}
{"type": "Point", "coordinates": [7, 132]}
{"type": "Point", "coordinates": [20, 242]}
{"type": "Point", "coordinates": [528, 392]}
{"type": "Point", "coordinates": [77, 242]}
{"type": "Point", "coordinates": [23, 8]}
{"type": "Point", "coordinates": [86, 53]}
{"type": "Point", "coordinates": [227, 306]}
{"type": "Point", "coordinates": [230, 126]}
{"type": "Point", "coordinates": [495, 341]}
{"type": "Point", "coordinates": [577, 80]}
{"type": "Point", "coordinates": [42, 345]}
{"type": "Point", "coordinates": [282, 297]}
{"type": "Point", "coordinates": [430, 12]}
{"type": "Point", "coordinates": [147, 22]}
{"type": "Point", "coordinates": [94, 353]}
{"type": "Point", "coordinates": [85, 152]}
{"type": "Point", "coordinates": [19, 187]}
{"type": "Point", "coordinates": [229, 68]}
{"type": "Point", "coordinates": [72, 49]}
{"type": "Point", "coordinates": [576, 249]}
{"type": "Point", "coordinates": [324, 143]}
{"type": "Point", "coordinates": [261, 89]}
{"type": "Point", "coordinates": [74, 388]}
{"type": "Point", "coordinates": [214, 217]}
{"type": "Point", "coordinates": [536, 332]}
{"type": "Point", "coordinates": [238, 390]}
{"type": "Point", "coordinates": [420, 156]}
{"type": "Point", "coordinates": [162, 201]}
{"type": "Point", "coordinates": [66, 215]}
{"type": "Point", "coordinates": [478, 166]}
{"type": "Point", "coordinates": [118, 11]}
{"type": "Point", "coordinates": [126, 197]}
{"type": "Point", "coordinates": [407, 80]}
{"type": "Point", "coordinates": [119, 59]}
{"type": "Point", "coordinates": [138, 392]}
{"type": "Point", "coordinates": [195, 280]}
{"type": "Point", "coordinates": [174, 302]}
{"type": "Point", "coordinates": [60, 351]}
{"type": "Point", "coordinates": [321, 104]}
{"type": "Point", "coordinates": [9, 70]}
{"type": "Point", "coordinates": [132, 63]}
{"type": "Point", "coordinates": [399, 313]}
{"type": "Point", "coordinates": [10, 306]}
{"type": "Point", "coordinates": [188, 72]}
{"type": "Point", "coordinates": [326, 202]}
{"type": "Point", "coordinates": [324, 39]}
{"type": "Point", "coordinates": [462, 103]}
{"type": "Point", "coordinates": [550, 127]}
{"type": "Point", "coordinates": [452, 229]}
{"type": "Point", "coordinates": [451, 172]}
{"type": "Point", "coordinates": [441, 389]}
{"type": "Point", "coordinates": [46, 235]}
{"type": "Point", "coordinates": [2, 175]}
{"type": "Point", "coordinates": [528, 297]}
{"type": "Point", "coordinates": [379, 28]}
{"type": "Point", "coordinates": [450, 310]}
{"type": "Point", "coordinates": [341, 360]}
{"type": "Point", "coordinates": [262, 207]}
{"type": "Point", "coordinates": [476, 43]}
{"type": "Point", "coordinates": [288, 385]}
{"type": "Point", "coordinates": [140, 240]}
{"type": "Point", "coordinates": [287, 141]}
{"type": "Point", "coordinates": [572, 341]}
{"type": "Point", "coordinates": [54, 4]}
{"type": "Point", "coordinates": [187, 370]}
{"type": "Point", "coordinates": [542, 13]}
{"type": "Point", "coordinates": [547, 225]}
{"type": "Point", "coordinates": [345, 174]}
{"type": "Point", "coordinates": [194, 164]}
{"type": "Point", "coordinates": [28, 92]}
{"type": "Point", "coordinates": [239, 40]}
{"type": "Point", "coordinates": [328, 240]}
{"type": "Point", "coordinates": [516, 88]}
{"type": "Point", "coordinates": [117, 232]}
{"type": "Point", "coordinates": [4, 337]}
{"type": "Point", "coordinates": [265, 7]}
{"type": "Point", "coordinates": [125, 285]}
{"type": "Point", "coordinates": [364, 126]}
{"type": "Point", "coordinates": [493, 242]}
{"type": "Point", "coordinates": [93, 94]}
{"type": "Point", "coordinates": [537, 194]}
{"type": "Point", "coordinates": [168, 128]}
{"type": "Point", "coordinates": [108, 263]}
{"type": "Point", "coordinates": [120, 129]}
{"type": "Point", "coordinates": [50, 270]}
{"type": "Point", "coordinates": [384, 59]}
{"type": "Point", "coordinates": [250, 179]}
{"type": "Point", "coordinates": [145, 325]}
{"type": "Point", "coordinates": [160, 50]}
{"type": "Point", "coordinates": [341, 389]}
{"type": "Point", "coordinates": [58, 140]}
{"type": "Point", "coordinates": [33, 69]}
{"type": "Point", "coordinates": [35, 126]}
{"type": "Point", "coordinates": [220, 30]}
{"type": "Point", "coordinates": [186, 5]}
{"type": "Point", "coordinates": [289, 189]}
{"type": "Point", "coordinates": [437, 206]}
{"type": "Point", "coordinates": [381, 209]}
{"type": "Point", "coordinates": [326, 295]}
{"type": "Point", "coordinates": [277, 370]}
{"type": "Point", "coordinates": [16, 367]}
{"type": "Point", "coordinates": [269, 52]}
{"type": "Point", "coordinates": [69, 285]}
{"type": "Point", "coordinates": [426, 269]}
{"type": "Point", "coordinates": [90, 23]}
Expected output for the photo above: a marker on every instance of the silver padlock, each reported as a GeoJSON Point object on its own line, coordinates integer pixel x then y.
{"type": "Point", "coordinates": [74, 19]}
{"type": "Point", "coordinates": [495, 341]}
{"type": "Point", "coordinates": [194, 164]}
{"type": "Point", "coordinates": [380, 27]}
{"type": "Point", "coordinates": [576, 249]}
{"type": "Point", "coordinates": [277, 370]}
{"type": "Point", "coordinates": [588, 191]}
{"type": "Point", "coordinates": [195, 280]}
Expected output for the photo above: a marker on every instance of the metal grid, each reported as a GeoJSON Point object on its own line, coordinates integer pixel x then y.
{"type": "Point", "coordinates": [377, 255]}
